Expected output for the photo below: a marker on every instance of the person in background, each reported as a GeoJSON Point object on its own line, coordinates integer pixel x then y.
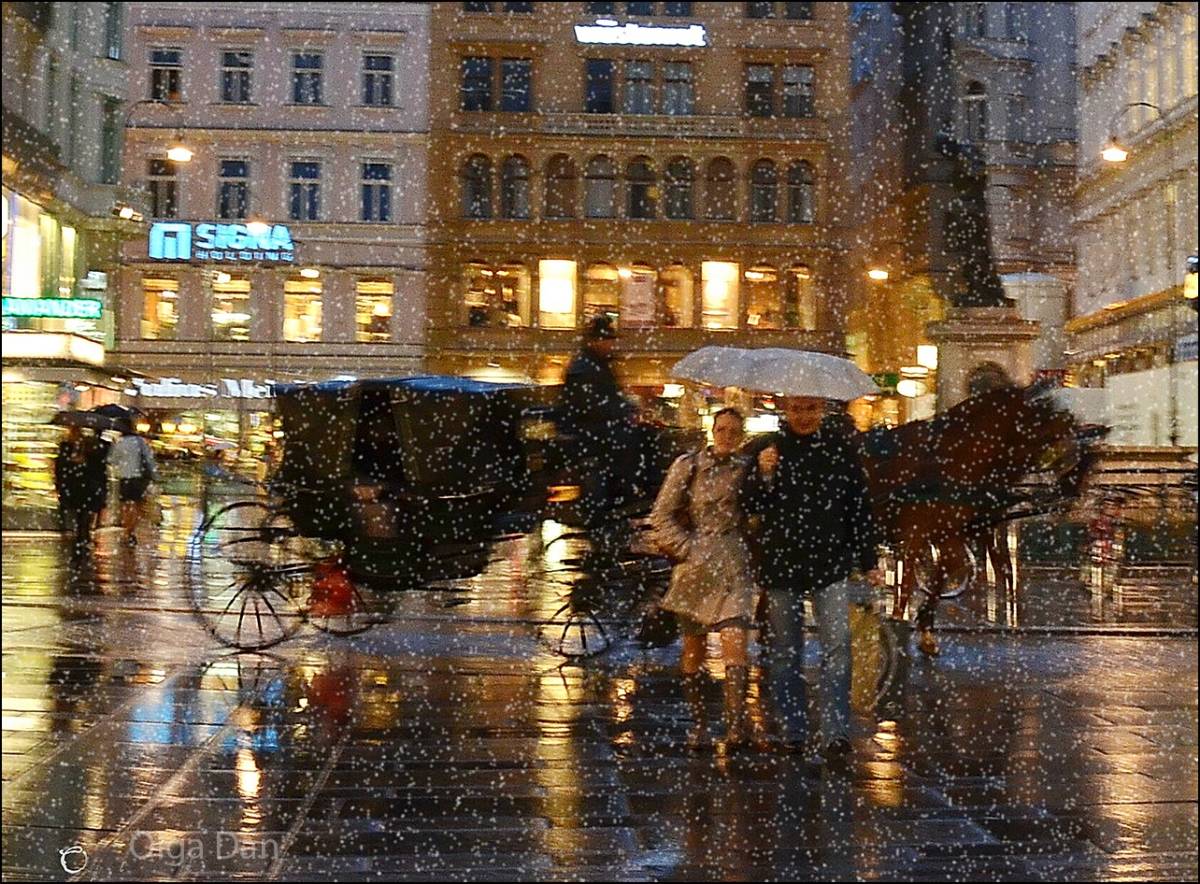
{"type": "Point", "coordinates": [809, 491]}
{"type": "Point", "coordinates": [697, 521]}
{"type": "Point", "coordinates": [79, 479]}
{"type": "Point", "coordinates": [133, 462]}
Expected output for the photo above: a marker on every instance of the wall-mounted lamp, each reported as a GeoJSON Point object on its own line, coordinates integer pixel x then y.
{"type": "Point", "coordinates": [878, 274]}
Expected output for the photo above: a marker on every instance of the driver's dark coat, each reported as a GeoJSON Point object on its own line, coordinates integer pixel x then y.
{"type": "Point", "coordinates": [815, 522]}
{"type": "Point", "coordinates": [591, 407]}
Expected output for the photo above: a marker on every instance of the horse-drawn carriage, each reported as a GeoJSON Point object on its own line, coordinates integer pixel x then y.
{"type": "Point", "coordinates": [392, 484]}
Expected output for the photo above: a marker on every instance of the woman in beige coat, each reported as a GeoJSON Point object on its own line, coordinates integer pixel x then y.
{"type": "Point", "coordinates": [697, 521]}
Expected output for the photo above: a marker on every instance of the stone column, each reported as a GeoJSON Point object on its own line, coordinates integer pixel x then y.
{"type": "Point", "coordinates": [969, 337]}
{"type": "Point", "coordinates": [337, 306]}
{"type": "Point", "coordinates": [195, 305]}
{"type": "Point", "coordinates": [408, 309]}
{"type": "Point", "coordinates": [1043, 299]}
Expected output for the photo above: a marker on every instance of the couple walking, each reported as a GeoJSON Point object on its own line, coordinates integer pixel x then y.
{"type": "Point", "coordinates": [806, 490]}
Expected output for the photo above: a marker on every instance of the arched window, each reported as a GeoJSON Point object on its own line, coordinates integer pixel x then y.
{"type": "Point", "coordinates": [764, 301]}
{"type": "Point", "coordinates": [514, 188]}
{"type": "Point", "coordinates": [681, 175]}
{"type": "Point", "coordinates": [720, 192]}
{"type": "Point", "coordinates": [802, 198]}
{"type": "Point", "coordinates": [560, 187]}
{"type": "Point", "coordinates": [764, 191]}
{"type": "Point", "coordinates": [600, 201]}
{"type": "Point", "coordinates": [477, 187]}
{"type": "Point", "coordinates": [975, 115]}
{"type": "Point", "coordinates": [641, 183]}
{"type": "Point", "coordinates": [800, 298]}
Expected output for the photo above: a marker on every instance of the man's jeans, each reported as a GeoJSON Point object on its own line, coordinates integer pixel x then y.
{"type": "Point", "coordinates": [785, 660]}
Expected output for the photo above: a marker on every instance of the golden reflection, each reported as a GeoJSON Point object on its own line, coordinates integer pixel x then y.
{"type": "Point", "coordinates": [249, 777]}
{"type": "Point", "coordinates": [558, 763]}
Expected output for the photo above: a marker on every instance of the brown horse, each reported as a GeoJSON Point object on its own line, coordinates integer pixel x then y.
{"type": "Point", "coordinates": [938, 484]}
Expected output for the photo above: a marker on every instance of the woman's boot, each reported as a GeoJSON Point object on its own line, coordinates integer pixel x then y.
{"type": "Point", "coordinates": [735, 707]}
{"type": "Point", "coordinates": [693, 695]}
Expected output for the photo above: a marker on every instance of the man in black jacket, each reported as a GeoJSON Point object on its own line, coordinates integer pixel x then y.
{"type": "Point", "coordinates": [809, 491]}
{"type": "Point", "coordinates": [597, 419]}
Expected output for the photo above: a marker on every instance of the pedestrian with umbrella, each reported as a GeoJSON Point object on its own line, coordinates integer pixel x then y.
{"type": "Point", "coordinates": [808, 490]}
{"type": "Point", "coordinates": [133, 462]}
{"type": "Point", "coordinates": [80, 480]}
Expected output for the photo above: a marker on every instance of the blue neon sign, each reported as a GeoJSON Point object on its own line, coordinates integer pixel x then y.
{"type": "Point", "coordinates": [210, 241]}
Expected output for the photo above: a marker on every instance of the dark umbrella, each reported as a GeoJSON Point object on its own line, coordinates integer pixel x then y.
{"type": "Point", "coordinates": [123, 414]}
{"type": "Point", "coordinates": [90, 420]}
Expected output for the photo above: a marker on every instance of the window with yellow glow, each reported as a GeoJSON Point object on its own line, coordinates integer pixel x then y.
{"type": "Point", "coordinates": [497, 296]}
{"type": "Point", "coordinates": [231, 308]}
{"type": "Point", "coordinates": [373, 310]}
{"type": "Point", "coordinates": [719, 284]}
{"type": "Point", "coordinates": [764, 304]}
{"type": "Point", "coordinates": [557, 292]}
{"type": "Point", "coordinates": [601, 290]}
{"type": "Point", "coordinates": [677, 287]}
{"type": "Point", "coordinates": [800, 298]}
{"type": "Point", "coordinates": [23, 264]}
{"type": "Point", "coordinates": [160, 308]}
{"type": "Point", "coordinates": [302, 310]}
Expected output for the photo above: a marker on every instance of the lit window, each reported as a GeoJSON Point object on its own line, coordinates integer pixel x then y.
{"type": "Point", "coordinates": [764, 304]}
{"type": "Point", "coordinates": [160, 308]}
{"type": "Point", "coordinates": [800, 298]}
{"type": "Point", "coordinates": [677, 289]}
{"type": "Point", "coordinates": [231, 309]}
{"type": "Point", "coordinates": [601, 290]}
{"type": "Point", "coordinates": [719, 284]}
{"type": "Point", "coordinates": [497, 297]}
{"type": "Point", "coordinates": [302, 310]}
{"type": "Point", "coordinates": [373, 310]}
{"type": "Point", "coordinates": [556, 294]}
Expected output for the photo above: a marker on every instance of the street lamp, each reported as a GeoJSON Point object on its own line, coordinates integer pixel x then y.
{"type": "Point", "coordinates": [878, 274]}
{"type": "Point", "coordinates": [178, 152]}
{"type": "Point", "coordinates": [1115, 152]}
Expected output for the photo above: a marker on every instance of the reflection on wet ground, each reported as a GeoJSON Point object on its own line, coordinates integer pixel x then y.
{"type": "Point", "coordinates": [450, 743]}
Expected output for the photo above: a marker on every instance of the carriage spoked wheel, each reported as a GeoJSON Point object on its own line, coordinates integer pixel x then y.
{"type": "Point", "coordinates": [247, 574]}
{"type": "Point", "coordinates": [575, 632]}
{"type": "Point", "coordinates": [929, 570]}
{"type": "Point", "coordinates": [335, 604]}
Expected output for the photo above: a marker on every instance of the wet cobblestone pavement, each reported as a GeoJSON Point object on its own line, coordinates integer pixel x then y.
{"type": "Point", "coordinates": [451, 743]}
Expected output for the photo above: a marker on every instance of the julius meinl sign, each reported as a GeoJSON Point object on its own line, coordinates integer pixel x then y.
{"type": "Point", "coordinates": [213, 241]}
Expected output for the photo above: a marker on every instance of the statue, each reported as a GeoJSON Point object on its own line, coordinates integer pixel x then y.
{"type": "Point", "coordinates": [967, 234]}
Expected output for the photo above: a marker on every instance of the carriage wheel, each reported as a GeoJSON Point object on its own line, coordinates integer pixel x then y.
{"type": "Point", "coordinates": [246, 573]}
{"type": "Point", "coordinates": [927, 567]}
{"type": "Point", "coordinates": [575, 632]}
{"type": "Point", "coordinates": [352, 613]}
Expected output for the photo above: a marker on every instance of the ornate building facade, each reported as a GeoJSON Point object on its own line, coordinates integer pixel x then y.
{"type": "Point", "coordinates": [678, 166]}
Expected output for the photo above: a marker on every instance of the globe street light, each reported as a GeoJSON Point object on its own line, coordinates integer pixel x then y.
{"type": "Point", "coordinates": [1115, 152]}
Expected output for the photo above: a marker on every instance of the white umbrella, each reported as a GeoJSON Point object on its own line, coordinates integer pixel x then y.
{"type": "Point", "coordinates": [777, 370]}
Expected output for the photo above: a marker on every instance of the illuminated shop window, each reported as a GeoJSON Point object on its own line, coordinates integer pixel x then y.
{"type": "Point", "coordinates": [160, 308]}
{"type": "Point", "coordinates": [800, 298]}
{"type": "Point", "coordinates": [302, 310]}
{"type": "Point", "coordinates": [231, 308]}
{"type": "Point", "coordinates": [601, 290]}
{"type": "Point", "coordinates": [764, 306]}
{"type": "Point", "coordinates": [677, 296]}
{"type": "Point", "coordinates": [639, 296]}
{"type": "Point", "coordinates": [373, 310]}
{"type": "Point", "coordinates": [23, 263]}
{"type": "Point", "coordinates": [497, 297]}
{"type": "Point", "coordinates": [719, 283]}
{"type": "Point", "coordinates": [556, 293]}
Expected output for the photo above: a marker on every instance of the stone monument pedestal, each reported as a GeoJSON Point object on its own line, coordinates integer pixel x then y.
{"type": "Point", "coordinates": [972, 340]}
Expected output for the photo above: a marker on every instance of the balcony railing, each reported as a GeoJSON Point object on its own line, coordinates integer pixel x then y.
{"type": "Point", "coordinates": [647, 125]}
